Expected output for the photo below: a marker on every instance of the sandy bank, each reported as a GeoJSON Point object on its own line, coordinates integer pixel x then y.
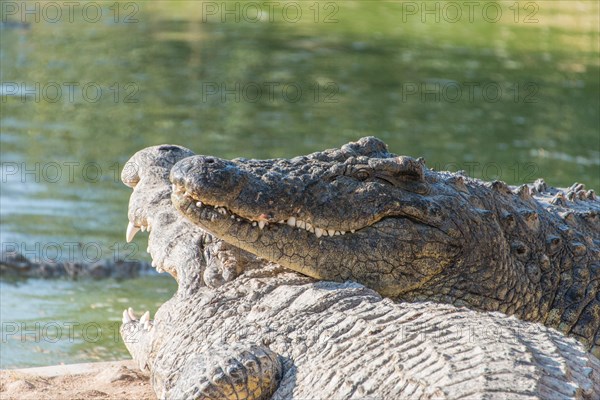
{"type": "Point", "coordinates": [104, 380]}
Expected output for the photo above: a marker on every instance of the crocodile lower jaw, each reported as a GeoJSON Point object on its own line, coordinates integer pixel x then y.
{"type": "Point", "coordinates": [144, 322]}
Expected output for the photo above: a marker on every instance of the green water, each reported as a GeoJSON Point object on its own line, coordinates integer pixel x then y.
{"type": "Point", "coordinates": [47, 322]}
{"type": "Point", "coordinates": [513, 97]}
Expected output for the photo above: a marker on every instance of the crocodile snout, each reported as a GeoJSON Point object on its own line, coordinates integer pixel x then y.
{"type": "Point", "coordinates": [208, 178]}
{"type": "Point", "coordinates": [149, 161]}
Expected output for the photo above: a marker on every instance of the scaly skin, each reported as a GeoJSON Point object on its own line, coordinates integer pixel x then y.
{"type": "Point", "coordinates": [328, 340]}
{"type": "Point", "coordinates": [242, 328]}
{"type": "Point", "coordinates": [410, 233]}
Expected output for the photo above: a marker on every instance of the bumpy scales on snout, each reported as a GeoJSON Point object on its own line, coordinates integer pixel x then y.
{"type": "Point", "coordinates": [362, 213]}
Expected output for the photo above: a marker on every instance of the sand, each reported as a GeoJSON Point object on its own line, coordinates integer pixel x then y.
{"type": "Point", "coordinates": [105, 380]}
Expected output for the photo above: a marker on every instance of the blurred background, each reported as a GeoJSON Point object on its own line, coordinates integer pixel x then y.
{"type": "Point", "coordinates": [501, 89]}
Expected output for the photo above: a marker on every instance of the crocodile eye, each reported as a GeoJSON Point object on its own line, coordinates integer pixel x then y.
{"type": "Point", "coordinates": [362, 175]}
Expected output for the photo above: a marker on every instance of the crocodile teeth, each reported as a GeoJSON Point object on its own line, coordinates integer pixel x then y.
{"type": "Point", "coordinates": [352, 230]}
{"type": "Point", "coordinates": [143, 228]}
{"type": "Point", "coordinates": [131, 231]}
{"type": "Point", "coordinates": [126, 318]}
{"type": "Point", "coordinates": [131, 313]}
{"type": "Point", "coordinates": [148, 250]}
{"type": "Point", "coordinates": [145, 318]}
{"type": "Point", "coordinates": [263, 221]}
{"type": "Point", "coordinates": [160, 270]}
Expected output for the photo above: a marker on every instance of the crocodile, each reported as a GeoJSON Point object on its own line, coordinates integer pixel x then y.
{"type": "Point", "coordinates": [242, 327]}
{"type": "Point", "coordinates": [364, 214]}
{"type": "Point", "coordinates": [15, 265]}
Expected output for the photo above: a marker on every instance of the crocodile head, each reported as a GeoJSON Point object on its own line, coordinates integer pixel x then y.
{"type": "Point", "coordinates": [177, 246]}
{"type": "Point", "coordinates": [353, 213]}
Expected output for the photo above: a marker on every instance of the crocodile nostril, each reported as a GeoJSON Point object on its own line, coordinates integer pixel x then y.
{"type": "Point", "coordinates": [210, 161]}
{"type": "Point", "coordinates": [167, 147]}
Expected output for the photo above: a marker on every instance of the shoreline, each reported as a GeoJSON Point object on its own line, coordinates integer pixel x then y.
{"type": "Point", "coordinates": [107, 380]}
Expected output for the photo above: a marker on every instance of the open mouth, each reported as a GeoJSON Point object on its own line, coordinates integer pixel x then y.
{"type": "Point", "coordinates": [211, 212]}
{"type": "Point", "coordinates": [133, 229]}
